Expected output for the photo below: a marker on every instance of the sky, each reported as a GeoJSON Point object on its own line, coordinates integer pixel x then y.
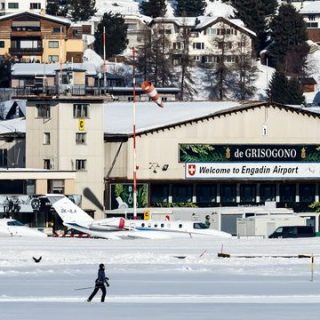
{"type": "Point", "coordinates": [160, 279]}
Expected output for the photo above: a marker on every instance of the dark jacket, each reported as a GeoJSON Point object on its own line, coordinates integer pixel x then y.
{"type": "Point", "coordinates": [102, 278]}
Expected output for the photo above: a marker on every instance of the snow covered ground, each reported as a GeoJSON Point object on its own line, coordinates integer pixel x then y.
{"type": "Point", "coordinates": [149, 281]}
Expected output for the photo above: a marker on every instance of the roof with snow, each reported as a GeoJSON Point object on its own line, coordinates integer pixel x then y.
{"type": "Point", "coordinates": [310, 7]}
{"type": "Point", "coordinates": [42, 16]}
{"type": "Point", "coordinates": [201, 22]}
{"type": "Point", "coordinates": [49, 69]}
{"type": "Point", "coordinates": [149, 117]}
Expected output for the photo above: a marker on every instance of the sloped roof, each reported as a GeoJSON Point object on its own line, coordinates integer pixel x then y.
{"type": "Point", "coordinates": [42, 16]}
{"type": "Point", "coordinates": [149, 117]}
{"type": "Point", "coordinates": [201, 22]}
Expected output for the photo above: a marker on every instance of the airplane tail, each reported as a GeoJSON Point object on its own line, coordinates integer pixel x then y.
{"type": "Point", "coordinates": [71, 213]}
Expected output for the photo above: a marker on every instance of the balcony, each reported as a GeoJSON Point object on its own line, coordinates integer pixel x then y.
{"type": "Point", "coordinates": [25, 51]}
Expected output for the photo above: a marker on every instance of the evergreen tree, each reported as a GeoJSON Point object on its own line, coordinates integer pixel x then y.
{"type": "Point", "coordinates": [153, 8]}
{"type": "Point", "coordinates": [253, 14]}
{"type": "Point", "coordinates": [82, 10]}
{"type": "Point", "coordinates": [190, 8]}
{"type": "Point", "coordinates": [52, 8]}
{"type": "Point", "coordinates": [288, 35]}
{"type": "Point", "coordinates": [116, 34]}
{"type": "Point", "coordinates": [295, 92]}
{"type": "Point", "coordinates": [57, 8]}
{"type": "Point", "coordinates": [285, 91]}
{"type": "Point", "coordinates": [5, 72]}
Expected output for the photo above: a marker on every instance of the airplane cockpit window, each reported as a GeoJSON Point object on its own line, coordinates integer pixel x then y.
{"type": "Point", "coordinates": [14, 223]}
{"type": "Point", "coordinates": [200, 225]}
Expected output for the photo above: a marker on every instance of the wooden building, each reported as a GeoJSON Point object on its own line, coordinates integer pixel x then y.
{"type": "Point", "coordinates": [32, 37]}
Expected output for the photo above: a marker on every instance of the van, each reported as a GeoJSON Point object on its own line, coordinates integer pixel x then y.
{"type": "Point", "coordinates": [293, 232]}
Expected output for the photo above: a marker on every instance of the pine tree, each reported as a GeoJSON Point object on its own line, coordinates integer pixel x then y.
{"type": "Point", "coordinates": [295, 92]}
{"type": "Point", "coordinates": [190, 8]}
{"type": "Point", "coordinates": [82, 10]}
{"type": "Point", "coordinates": [253, 14]}
{"type": "Point", "coordinates": [153, 8]}
{"type": "Point", "coordinates": [5, 72]}
{"type": "Point", "coordinates": [116, 34]}
{"type": "Point", "coordinates": [285, 91]}
{"type": "Point", "coordinates": [288, 35]}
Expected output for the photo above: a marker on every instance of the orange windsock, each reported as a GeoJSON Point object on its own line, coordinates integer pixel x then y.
{"type": "Point", "coordinates": [151, 91]}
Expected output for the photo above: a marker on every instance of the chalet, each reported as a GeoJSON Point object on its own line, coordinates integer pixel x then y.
{"type": "Point", "coordinates": [32, 37]}
{"type": "Point", "coordinates": [207, 36]}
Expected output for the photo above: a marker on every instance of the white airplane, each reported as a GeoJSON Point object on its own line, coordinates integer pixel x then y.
{"type": "Point", "coordinates": [119, 228]}
{"type": "Point", "coordinates": [14, 228]}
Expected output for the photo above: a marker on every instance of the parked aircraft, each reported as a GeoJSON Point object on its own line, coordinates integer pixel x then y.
{"type": "Point", "coordinates": [14, 228]}
{"type": "Point", "coordinates": [119, 228]}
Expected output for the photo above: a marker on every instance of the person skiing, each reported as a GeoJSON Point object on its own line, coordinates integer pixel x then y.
{"type": "Point", "coordinates": [100, 281]}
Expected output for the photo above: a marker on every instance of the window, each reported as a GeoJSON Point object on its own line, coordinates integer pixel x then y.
{"type": "Point", "coordinates": [81, 165]}
{"type": "Point", "coordinates": [267, 192]}
{"type": "Point", "coordinates": [35, 5]}
{"type": "Point", "coordinates": [46, 138]}
{"type": "Point", "coordinates": [312, 24]}
{"type": "Point", "coordinates": [198, 45]}
{"type": "Point", "coordinates": [56, 186]}
{"type": "Point", "coordinates": [81, 138]}
{"type": "Point", "coordinates": [47, 164]}
{"type": "Point", "coordinates": [1, 44]}
{"type": "Point", "coordinates": [181, 193]}
{"type": "Point", "coordinates": [13, 5]}
{"type": "Point", "coordinates": [206, 195]}
{"type": "Point", "coordinates": [3, 157]}
{"type": "Point", "coordinates": [312, 17]}
{"type": "Point", "coordinates": [56, 30]}
{"type": "Point", "coordinates": [80, 110]}
{"type": "Point", "coordinates": [53, 58]}
{"type": "Point", "coordinates": [53, 44]}
{"type": "Point", "coordinates": [43, 111]}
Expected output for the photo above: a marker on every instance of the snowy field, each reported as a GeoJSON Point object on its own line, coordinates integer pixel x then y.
{"type": "Point", "coordinates": [160, 279]}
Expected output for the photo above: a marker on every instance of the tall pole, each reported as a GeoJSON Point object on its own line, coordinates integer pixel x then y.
{"type": "Point", "coordinates": [104, 60]}
{"type": "Point", "coordinates": [134, 136]}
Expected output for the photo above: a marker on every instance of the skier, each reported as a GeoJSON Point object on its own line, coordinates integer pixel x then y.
{"type": "Point", "coordinates": [100, 281]}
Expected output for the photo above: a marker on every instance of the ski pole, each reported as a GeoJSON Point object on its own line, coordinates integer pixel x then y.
{"type": "Point", "coordinates": [84, 288]}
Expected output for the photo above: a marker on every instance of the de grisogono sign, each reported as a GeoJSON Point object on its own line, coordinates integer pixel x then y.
{"type": "Point", "coordinates": [250, 161]}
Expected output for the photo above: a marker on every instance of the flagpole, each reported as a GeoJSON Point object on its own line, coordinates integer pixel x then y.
{"type": "Point", "coordinates": [104, 60]}
{"type": "Point", "coordinates": [134, 136]}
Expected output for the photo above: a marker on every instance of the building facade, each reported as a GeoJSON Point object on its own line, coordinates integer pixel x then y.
{"type": "Point", "coordinates": [205, 39]}
{"type": "Point", "coordinates": [16, 6]}
{"type": "Point", "coordinates": [31, 37]}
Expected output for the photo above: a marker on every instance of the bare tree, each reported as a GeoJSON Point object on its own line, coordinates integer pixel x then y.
{"type": "Point", "coordinates": [219, 73]}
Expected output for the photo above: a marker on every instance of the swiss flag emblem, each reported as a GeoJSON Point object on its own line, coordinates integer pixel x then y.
{"type": "Point", "coordinates": [191, 169]}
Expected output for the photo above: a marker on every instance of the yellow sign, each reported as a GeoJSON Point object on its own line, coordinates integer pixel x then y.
{"type": "Point", "coordinates": [147, 214]}
{"type": "Point", "coordinates": [82, 125]}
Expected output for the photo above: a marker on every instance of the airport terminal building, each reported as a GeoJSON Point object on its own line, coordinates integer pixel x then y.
{"type": "Point", "coordinates": [237, 155]}
{"type": "Point", "coordinates": [196, 154]}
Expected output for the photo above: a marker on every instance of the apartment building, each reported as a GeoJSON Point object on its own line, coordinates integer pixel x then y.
{"type": "Point", "coordinates": [16, 6]}
{"type": "Point", "coordinates": [206, 37]}
{"type": "Point", "coordinates": [29, 37]}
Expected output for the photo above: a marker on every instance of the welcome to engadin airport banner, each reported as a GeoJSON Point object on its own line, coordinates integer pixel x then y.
{"type": "Point", "coordinates": [252, 170]}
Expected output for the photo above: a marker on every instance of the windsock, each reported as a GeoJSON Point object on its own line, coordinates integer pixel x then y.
{"type": "Point", "coordinates": [151, 91]}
